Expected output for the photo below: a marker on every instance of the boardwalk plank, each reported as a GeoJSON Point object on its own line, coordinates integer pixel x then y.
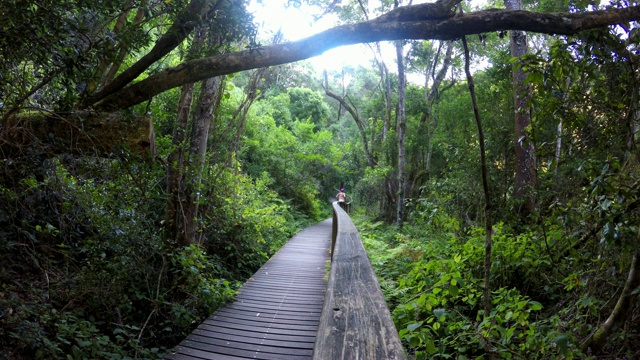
{"type": "Point", "coordinates": [278, 347]}
{"type": "Point", "coordinates": [253, 334]}
{"type": "Point", "coordinates": [262, 329]}
{"type": "Point", "coordinates": [277, 311]}
{"type": "Point", "coordinates": [275, 314]}
{"type": "Point", "coordinates": [271, 324]}
{"type": "Point", "coordinates": [247, 339]}
{"type": "Point", "coordinates": [243, 315]}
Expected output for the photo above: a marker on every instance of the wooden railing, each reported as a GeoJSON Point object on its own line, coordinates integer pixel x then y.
{"type": "Point", "coordinates": [355, 321]}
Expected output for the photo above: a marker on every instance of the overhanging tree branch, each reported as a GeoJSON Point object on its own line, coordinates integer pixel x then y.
{"type": "Point", "coordinates": [369, 31]}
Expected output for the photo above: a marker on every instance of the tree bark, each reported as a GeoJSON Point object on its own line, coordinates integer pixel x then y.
{"type": "Point", "coordinates": [431, 97]}
{"type": "Point", "coordinates": [124, 50]}
{"type": "Point", "coordinates": [176, 165]}
{"type": "Point", "coordinates": [401, 120]}
{"type": "Point", "coordinates": [368, 31]}
{"type": "Point", "coordinates": [104, 62]}
{"type": "Point", "coordinates": [202, 117]}
{"type": "Point", "coordinates": [174, 214]}
{"type": "Point", "coordinates": [558, 150]}
{"type": "Point", "coordinates": [525, 156]}
{"type": "Point", "coordinates": [240, 116]}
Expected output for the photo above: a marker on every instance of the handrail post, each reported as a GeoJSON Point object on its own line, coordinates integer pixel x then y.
{"type": "Point", "coordinates": [355, 322]}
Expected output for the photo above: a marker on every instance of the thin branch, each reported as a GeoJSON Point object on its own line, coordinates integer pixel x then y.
{"type": "Point", "coordinates": [485, 183]}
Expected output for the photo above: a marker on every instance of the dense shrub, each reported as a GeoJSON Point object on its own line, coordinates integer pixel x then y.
{"type": "Point", "coordinates": [87, 273]}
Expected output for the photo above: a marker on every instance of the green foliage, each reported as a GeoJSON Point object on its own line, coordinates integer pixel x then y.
{"type": "Point", "coordinates": [243, 220]}
{"type": "Point", "coordinates": [308, 104]}
{"type": "Point", "coordinates": [302, 162]}
{"type": "Point", "coordinates": [86, 272]}
{"type": "Point", "coordinates": [433, 282]}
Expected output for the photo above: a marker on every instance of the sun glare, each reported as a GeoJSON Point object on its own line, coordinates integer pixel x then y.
{"type": "Point", "coordinates": [297, 22]}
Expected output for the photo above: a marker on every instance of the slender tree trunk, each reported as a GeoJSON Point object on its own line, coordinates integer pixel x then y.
{"type": "Point", "coordinates": [240, 116]}
{"type": "Point", "coordinates": [124, 50]}
{"type": "Point", "coordinates": [488, 222]}
{"type": "Point", "coordinates": [431, 97]}
{"type": "Point", "coordinates": [179, 30]}
{"type": "Point", "coordinates": [104, 62]}
{"type": "Point", "coordinates": [558, 151]}
{"type": "Point", "coordinates": [623, 306]}
{"type": "Point", "coordinates": [202, 117]}
{"type": "Point", "coordinates": [525, 166]}
{"type": "Point", "coordinates": [175, 168]}
{"type": "Point", "coordinates": [387, 193]}
{"type": "Point", "coordinates": [401, 120]}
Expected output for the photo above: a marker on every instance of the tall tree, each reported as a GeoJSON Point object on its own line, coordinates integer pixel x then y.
{"type": "Point", "coordinates": [401, 120]}
{"type": "Point", "coordinates": [525, 156]}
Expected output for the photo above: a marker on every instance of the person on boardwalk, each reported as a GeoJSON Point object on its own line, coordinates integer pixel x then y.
{"type": "Point", "coordinates": [342, 197]}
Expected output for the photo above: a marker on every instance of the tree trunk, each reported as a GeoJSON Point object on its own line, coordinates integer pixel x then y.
{"type": "Point", "coordinates": [124, 49]}
{"type": "Point", "coordinates": [401, 120]}
{"type": "Point", "coordinates": [431, 97]}
{"type": "Point", "coordinates": [387, 192]}
{"type": "Point", "coordinates": [240, 116]}
{"type": "Point", "coordinates": [558, 151]}
{"type": "Point", "coordinates": [194, 164]}
{"type": "Point", "coordinates": [104, 62]}
{"type": "Point", "coordinates": [176, 167]}
{"type": "Point", "coordinates": [624, 305]}
{"type": "Point", "coordinates": [525, 156]}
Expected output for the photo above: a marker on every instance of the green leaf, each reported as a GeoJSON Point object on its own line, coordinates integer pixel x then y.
{"type": "Point", "coordinates": [430, 346]}
{"type": "Point", "coordinates": [414, 326]}
{"type": "Point", "coordinates": [536, 306]}
{"type": "Point", "coordinates": [439, 313]}
{"type": "Point", "coordinates": [414, 341]}
{"type": "Point", "coordinates": [562, 342]}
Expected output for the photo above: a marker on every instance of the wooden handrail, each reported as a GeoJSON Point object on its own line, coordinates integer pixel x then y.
{"type": "Point", "coordinates": [355, 322]}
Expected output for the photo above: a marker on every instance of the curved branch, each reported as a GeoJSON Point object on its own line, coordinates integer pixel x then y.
{"type": "Point", "coordinates": [356, 118]}
{"type": "Point", "coordinates": [368, 31]}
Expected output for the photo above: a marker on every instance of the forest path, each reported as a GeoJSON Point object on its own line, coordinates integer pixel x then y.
{"type": "Point", "coordinates": [277, 311]}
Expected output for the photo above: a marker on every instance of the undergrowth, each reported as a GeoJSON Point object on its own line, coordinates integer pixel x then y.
{"type": "Point", "coordinates": [86, 273]}
{"type": "Point", "coordinates": [543, 305]}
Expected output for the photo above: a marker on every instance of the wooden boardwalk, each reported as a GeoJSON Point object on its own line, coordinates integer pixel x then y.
{"type": "Point", "coordinates": [276, 313]}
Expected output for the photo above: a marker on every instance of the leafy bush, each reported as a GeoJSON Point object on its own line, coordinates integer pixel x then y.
{"type": "Point", "coordinates": [87, 273]}
{"type": "Point", "coordinates": [437, 293]}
